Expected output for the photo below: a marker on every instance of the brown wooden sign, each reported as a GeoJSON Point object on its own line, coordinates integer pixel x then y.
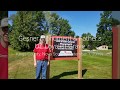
{"type": "Point", "coordinates": [116, 53]}
{"type": "Point", "coordinates": [65, 48]}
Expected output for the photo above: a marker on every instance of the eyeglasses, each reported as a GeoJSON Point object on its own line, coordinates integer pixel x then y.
{"type": "Point", "coordinates": [43, 39]}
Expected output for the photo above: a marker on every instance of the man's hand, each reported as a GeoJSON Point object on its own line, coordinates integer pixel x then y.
{"type": "Point", "coordinates": [48, 62]}
{"type": "Point", "coordinates": [35, 65]}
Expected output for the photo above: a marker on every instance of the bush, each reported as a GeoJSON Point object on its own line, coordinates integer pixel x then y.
{"type": "Point", "coordinates": [109, 47]}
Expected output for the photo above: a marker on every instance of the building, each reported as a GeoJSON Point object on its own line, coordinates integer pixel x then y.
{"type": "Point", "coordinates": [103, 47]}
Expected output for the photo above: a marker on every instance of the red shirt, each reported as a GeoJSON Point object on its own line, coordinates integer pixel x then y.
{"type": "Point", "coordinates": [41, 51]}
{"type": "Point", "coordinates": [3, 62]}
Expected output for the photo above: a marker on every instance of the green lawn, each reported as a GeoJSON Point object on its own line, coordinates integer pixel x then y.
{"type": "Point", "coordinates": [96, 65]}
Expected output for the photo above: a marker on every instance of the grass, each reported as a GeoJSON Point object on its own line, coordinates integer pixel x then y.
{"type": "Point", "coordinates": [96, 65]}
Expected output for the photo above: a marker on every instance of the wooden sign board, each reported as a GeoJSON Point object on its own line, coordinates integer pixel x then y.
{"type": "Point", "coordinates": [65, 48]}
{"type": "Point", "coordinates": [116, 53]}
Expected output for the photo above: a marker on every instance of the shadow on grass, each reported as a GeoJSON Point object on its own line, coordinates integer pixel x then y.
{"type": "Point", "coordinates": [68, 73]}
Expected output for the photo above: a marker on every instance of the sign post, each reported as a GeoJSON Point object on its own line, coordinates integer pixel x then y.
{"type": "Point", "coordinates": [48, 41]}
{"type": "Point", "coordinates": [116, 52]}
{"type": "Point", "coordinates": [80, 59]}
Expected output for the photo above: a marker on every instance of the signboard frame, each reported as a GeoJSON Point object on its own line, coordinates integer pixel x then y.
{"type": "Point", "coordinates": [116, 52]}
{"type": "Point", "coordinates": [67, 57]}
{"type": "Point", "coordinates": [78, 57]}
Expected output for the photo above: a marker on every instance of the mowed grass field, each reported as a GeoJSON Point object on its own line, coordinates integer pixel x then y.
{"type": "Point", "coordinates": [96, 65]}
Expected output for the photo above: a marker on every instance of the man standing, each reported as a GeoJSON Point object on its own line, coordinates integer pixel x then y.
{"type": "Point", "coordinates": [4, 49]}
{"type": "Point", "coordinates": [41, 52]}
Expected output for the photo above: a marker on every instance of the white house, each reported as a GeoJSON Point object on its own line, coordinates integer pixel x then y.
{"type": "Point", "coordinates": [103, 47]}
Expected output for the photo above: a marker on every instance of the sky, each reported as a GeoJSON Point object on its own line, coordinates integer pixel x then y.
{"type": "Point", "coordinates": [80, 21]}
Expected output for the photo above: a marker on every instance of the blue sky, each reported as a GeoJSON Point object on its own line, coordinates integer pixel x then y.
{"type": "Point", "coordinates": [80, 21]}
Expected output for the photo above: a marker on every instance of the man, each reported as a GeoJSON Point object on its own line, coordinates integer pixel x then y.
{"type": "Point", "coordinates": [41, 52]}
{"type": "Point", "coordinates": [4, 49]}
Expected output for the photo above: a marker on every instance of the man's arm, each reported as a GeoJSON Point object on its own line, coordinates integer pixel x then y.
{"type": "Point", "coordinates": [34, 56]}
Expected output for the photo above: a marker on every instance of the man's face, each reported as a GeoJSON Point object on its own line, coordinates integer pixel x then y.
{"type": "Point", "coordinates": [43, 40]}
{"type": "Point", "coordinates": [4, 34]}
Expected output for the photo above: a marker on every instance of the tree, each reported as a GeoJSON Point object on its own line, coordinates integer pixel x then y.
{"type": "Point", "coordinates": [56, 25]}
{"type": "Point", "coordinates": [115, 22]}
{"type": "Point", "coordinates": [60, 26]}
{"type": "Point", "coordinates": [104, 30]}
{"type": "Point", "coordinates": [77, 36]}
{"type": "Point", "coordinates": [49, 19]}
{"type": "Point", "coordinates": [9, 28]}
{"type": "Point", "coordinates": [71, 33]}
{"type": "Point", "coordinates": [26, 28]}
{"type": "Point", "coordinates": [88, 40]}
{"type": "Point", "coordinates": [27, 24]}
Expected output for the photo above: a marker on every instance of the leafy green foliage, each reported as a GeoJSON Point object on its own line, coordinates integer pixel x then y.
{"type": "Point", "coordinates": [88, 40]}
{"type": "Point", "coordinates": [104, 30]}
{"type": "Point", "coordinates": [27, 26]}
